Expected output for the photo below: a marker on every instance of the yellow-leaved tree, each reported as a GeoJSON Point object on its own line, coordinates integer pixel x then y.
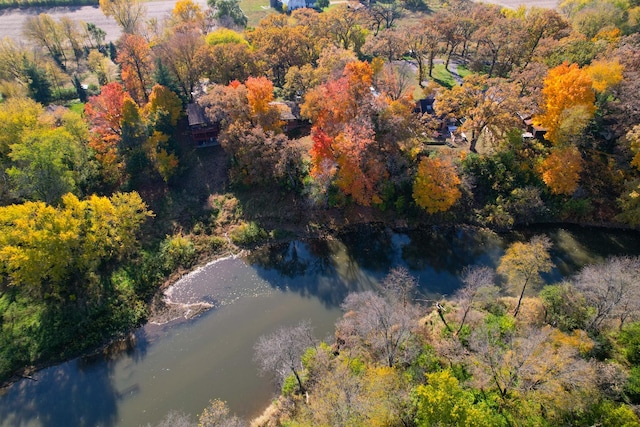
{"type": "Point", "coordinates": [436, 187]}
{"type": "Point", "coordinates": [47, 250]}
{"type": "Point", "coordinates": [522, 264]}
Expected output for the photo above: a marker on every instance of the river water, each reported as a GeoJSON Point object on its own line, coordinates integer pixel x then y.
{"type": "Point", "coordinates": [181, 365]}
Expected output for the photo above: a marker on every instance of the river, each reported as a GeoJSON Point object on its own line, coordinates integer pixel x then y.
{"type": "Point", "coordinates": [181, 365]}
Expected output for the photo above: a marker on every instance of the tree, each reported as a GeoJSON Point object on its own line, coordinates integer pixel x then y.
{"type": "Point", "coordinates": [217, 415]}
{"type": "Point", "coordinates": [38, 83]}
{"type": "Point", "coordinates": [164, 108]}
{"type": "Point", "coordinates": [51, 252]}
{"type": "Point", "coordinates": [424, 43]}
{"type": "Point", "coordinates": [179, 55]}
{"type": "Point", "coordinates": [228, 13]}
{"type": "Point", "coordinates": [611, 289]}
{"type": "Point", "coordinates": [104, 113]}
{"type": "Point", "coordinates": [17, 115]}
{"type": "Point", "coordinates": [522, 264]}
{"type": "Point", "coordinates": [281, 351]}
{"type": "Point", "coordinates": [566, 88]}
{"type": "Point", "coordinates": [46, 164]}
{"type": "Point", "coordinates": [561, 170]}
{"type": "Point", "coordinates": [127, 13]}
{"type": "Point", "coordinates": [633, 136]}
{"type": "Point", "coordinates": [473, 280]}
{"type": "Point", "coordinates": [488, 106]}
{"type": "Point", "coordinates": [136, 66]}
{"type": "Point", "coordinates": [187, 14]}
{"type": "Point", "coordinates": [46, 32]}
{"type": "Point", "coordinates": [443, 402]}
{"type": "Point", "coordinates": [537, 373]}
{"type": "Point", "coordinates": [379, 326]}
{"type": "Point", "coordinates": [436, 185]}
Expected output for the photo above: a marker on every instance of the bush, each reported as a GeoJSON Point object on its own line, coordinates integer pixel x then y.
{"type": "Point", "coordinates": [247, 234]}
{"type": "Point", "coordinates": [177, 251]}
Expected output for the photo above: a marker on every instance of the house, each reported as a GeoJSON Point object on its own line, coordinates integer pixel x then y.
{"type": "Point", "coordinates": [290, 115]}
{"type": "Point", "coordinates": [531, 131]}
{"type": "Point", "coordinates": [425, 106]}
{"type": "Point", "coordinates": [203, 132]}
{"type": "Point", "coordinates": [290, 5]}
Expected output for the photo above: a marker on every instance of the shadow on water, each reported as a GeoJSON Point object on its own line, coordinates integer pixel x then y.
{"type": "Point", "coordinates": [360, 258]}
{"type": "Point", "coordinates": [76, 393]}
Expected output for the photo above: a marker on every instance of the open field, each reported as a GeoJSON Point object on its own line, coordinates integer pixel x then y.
{"type": "Point", "coordinates": [12, 20]}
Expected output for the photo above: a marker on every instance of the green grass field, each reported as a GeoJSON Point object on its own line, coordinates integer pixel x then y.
{"type": "Point", "coordinates": [444, 77]}
{"type": "Point", "coordinates": [255, 10]}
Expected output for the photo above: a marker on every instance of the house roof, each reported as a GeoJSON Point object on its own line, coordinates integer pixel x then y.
{"type": "Point", "coordinates": [196, 115]}
{"type": "Point", "coordinates": [288, 110]}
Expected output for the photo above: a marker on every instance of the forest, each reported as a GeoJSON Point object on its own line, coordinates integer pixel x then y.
{"type": "Point", "coordinates": [406, 112]}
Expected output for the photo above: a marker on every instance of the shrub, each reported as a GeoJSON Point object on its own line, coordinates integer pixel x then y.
{"type": "Point", "coordinates": [248, 234]}
{"type": "Point", "coordinates": [177, 251]}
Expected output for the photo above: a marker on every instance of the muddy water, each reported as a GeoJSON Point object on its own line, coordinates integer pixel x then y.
{"type": "Point", "coordinates": [181, 365]}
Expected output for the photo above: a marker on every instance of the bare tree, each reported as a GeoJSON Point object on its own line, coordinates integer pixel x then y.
{"type": "Point", "coordinates": [382, 325]}
{"type": "Point", "coordinates": [612, 289]}
{"type": "Point", "coordinates": [217, 414]}
{"type": "Point", "coordinates": [280, 351]}
{"type": "Point", "coordinates": [473, 279]}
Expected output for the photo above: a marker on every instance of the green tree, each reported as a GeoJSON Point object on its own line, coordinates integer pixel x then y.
{"type": "Point", "coordinates": [228, 13]}
{"type": "Point", "coordinates": [47, 164]}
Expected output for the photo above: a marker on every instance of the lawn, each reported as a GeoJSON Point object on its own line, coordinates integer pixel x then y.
{"type": "Point", "coordinates": [255, 10]}
{"type": "Point", "coordinates": [444, 77]}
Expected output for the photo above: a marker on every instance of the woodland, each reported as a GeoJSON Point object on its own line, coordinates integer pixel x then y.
{"type": "Point", "coordinates": [104, 198]}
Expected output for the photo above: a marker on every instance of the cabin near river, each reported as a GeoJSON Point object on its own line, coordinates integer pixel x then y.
{"type": "Point", "coordinates": [362, 213]}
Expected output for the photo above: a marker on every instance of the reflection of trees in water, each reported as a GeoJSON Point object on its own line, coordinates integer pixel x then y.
{"type": "Point", "coordinates": [370, 247]}
{"type": "Point", "coordinates": [77, 393]}
{"type": "Point", "coordinates": [282, 258]}
{"type": "Point", "coordinates": [449, 250]}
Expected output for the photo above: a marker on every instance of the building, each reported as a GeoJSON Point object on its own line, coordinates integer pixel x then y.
{"type": "Point", "coordinates": [203, 132]}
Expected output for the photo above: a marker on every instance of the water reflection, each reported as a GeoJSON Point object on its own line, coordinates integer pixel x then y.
{"type": "Point", "coordinates": [76, 393]}
{"type": "Point", "coordinates": [181, 367]}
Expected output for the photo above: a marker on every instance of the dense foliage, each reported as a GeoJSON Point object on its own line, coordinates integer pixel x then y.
{"type": "Point", "coordinates": [525, 115]}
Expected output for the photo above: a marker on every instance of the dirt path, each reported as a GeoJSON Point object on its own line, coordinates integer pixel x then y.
{"type": "Point", "coordinates": [11, 21]}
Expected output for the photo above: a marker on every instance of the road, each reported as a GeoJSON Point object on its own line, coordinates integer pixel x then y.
{"type": "Point", "coordinates": [11, 21]}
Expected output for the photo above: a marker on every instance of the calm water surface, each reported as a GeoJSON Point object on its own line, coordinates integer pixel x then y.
{"type": "Point", "coordinates": [183, 365]}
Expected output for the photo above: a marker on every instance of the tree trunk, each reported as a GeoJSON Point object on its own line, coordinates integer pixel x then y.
{"type": "Point", "coordinates": [515, 313]}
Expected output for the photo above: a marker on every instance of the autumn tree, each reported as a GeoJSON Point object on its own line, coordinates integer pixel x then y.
{"type": "Point", "coordinates": [522, 264]}
{"type": "Point", "coordinates": [127, 13]}
{"type": "Point", "coordinates": [179, 55]}
{"type": "Point", "coordinates": [44, 255]}
{"type": "Point", "coordinates": [567, 89]}
{"type": "Point", "coordinates": [136, 66]}
{"type": "Point", "coordinates": [611, 289]}
{"type": "Point", "coordinates": [17, 115]}
{"type": "Point", "coordinates": [187, 14]}
{"type": "Point", "coordinates": [380, 326]}
{"type": "Point", "coordinates": [281, 351]}
{"type": "Point", "coordinates": [443, 401]}
{"type": "Point", "coordinates": [488, 107]}
{"type": "Point", "coordinates": [46, 32]}
{"type": "Point", "coordinates": [474, 280]}
{"type": "Point", "coordinates": [345, 150]}
{"type": "Point", "coordinates": [537, 373]}
{"type": "Point", "coordinates": [164, 108]}
{"type": "Point", "coordinates": [424, 43]}
{"type": "Point", "coordinates": [104, 113]}
{"type": "Point", "coordinates": [561, 170]}
{"type": "Point", "coordinates": [436, 187]}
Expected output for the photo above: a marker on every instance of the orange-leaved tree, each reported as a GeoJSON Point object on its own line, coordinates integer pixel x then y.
{"type": "Point", "coordinates": [567, 89]}
{"type": "Point", "coordinates": [436, 187]}
{"type": "Point", "coordinates": [561, 170]}
{"type": "Point", "coordinates": [344, 150]}
{"type": "Point", "coordinates": [136, 65]}
{"type": "Point", "coordinates": [104, 112]}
